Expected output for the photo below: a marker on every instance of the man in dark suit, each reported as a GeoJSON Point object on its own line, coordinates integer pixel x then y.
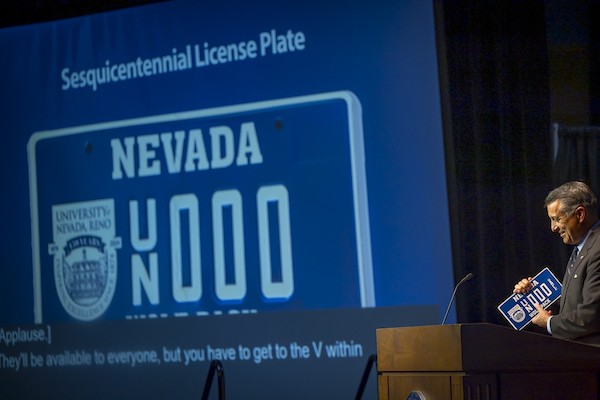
{"type": "Point", "coordinates": [573, 212]}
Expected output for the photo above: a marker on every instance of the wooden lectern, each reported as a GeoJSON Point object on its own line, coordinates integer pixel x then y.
{"type": "Point", "coordinates": [483, 362]}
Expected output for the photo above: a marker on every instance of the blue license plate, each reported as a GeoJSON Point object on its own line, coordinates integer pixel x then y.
{"type": "Point", "coordinates": [237, 209]}
{"type": "Point", "coordinates": [519, 309]}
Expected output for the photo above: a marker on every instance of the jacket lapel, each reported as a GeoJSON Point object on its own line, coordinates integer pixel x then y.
{"type": "Point", "coordinates": [580, 257]}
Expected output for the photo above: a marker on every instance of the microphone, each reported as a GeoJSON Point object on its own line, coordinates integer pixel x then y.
{"type": "Point", "coordinates": [466, 278]}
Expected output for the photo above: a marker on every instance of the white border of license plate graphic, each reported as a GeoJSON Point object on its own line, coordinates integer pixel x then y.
{"type": "Point", "coordinates": [359, 183]}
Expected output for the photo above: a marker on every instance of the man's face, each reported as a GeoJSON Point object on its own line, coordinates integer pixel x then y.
{"type": "Point", "coordinates": [568, 227]}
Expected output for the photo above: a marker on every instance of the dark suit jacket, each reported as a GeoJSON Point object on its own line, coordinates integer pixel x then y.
{"type": "Point", "coordinates": [579, 317]}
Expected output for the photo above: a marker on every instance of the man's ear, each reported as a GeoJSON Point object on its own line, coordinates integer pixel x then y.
{"type": "Point", "coordinates": [580, 213]}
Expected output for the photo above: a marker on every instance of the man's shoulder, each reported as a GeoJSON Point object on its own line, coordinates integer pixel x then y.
{"type": "Point", "coordinates": [593, 241]}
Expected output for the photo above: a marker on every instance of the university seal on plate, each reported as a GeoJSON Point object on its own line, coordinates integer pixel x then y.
{"type": "Point", "coordinates": [85, 256]}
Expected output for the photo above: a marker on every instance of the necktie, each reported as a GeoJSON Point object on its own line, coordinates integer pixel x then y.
{"type": "Point", "coordinates": [572, 260]}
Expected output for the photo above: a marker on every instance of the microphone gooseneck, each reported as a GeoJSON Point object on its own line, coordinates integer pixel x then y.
{"type": "Point", "coordinates": [466, 278]}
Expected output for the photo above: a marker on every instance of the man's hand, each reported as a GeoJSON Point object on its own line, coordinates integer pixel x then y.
{"type": "Point", "coordinates": [541, 319]}
{"type": "Point", "coordinates": [523, 286]}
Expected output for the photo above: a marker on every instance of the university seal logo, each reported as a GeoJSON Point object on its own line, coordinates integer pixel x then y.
{"type": "Point", "coordinates": [517, 313]}
{"type": "Point", "coordinates": [85, 256]}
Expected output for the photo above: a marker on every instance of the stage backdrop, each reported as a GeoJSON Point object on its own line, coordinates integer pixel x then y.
{"type": "Point", "coordinates": [261, 184]}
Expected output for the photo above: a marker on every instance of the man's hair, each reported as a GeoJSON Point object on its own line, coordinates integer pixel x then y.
{"type": "Point", "coordinates": [572, 195]}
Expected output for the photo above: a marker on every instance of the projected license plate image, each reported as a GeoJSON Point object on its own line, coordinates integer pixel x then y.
{"type": "Point", "coordinates": [237, 209]}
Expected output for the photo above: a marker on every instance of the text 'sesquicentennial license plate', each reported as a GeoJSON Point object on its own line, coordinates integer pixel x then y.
{"type": "Point", "coordinates": [519, 309]}
{"type": "Point", "coordinates": [236, 209]}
